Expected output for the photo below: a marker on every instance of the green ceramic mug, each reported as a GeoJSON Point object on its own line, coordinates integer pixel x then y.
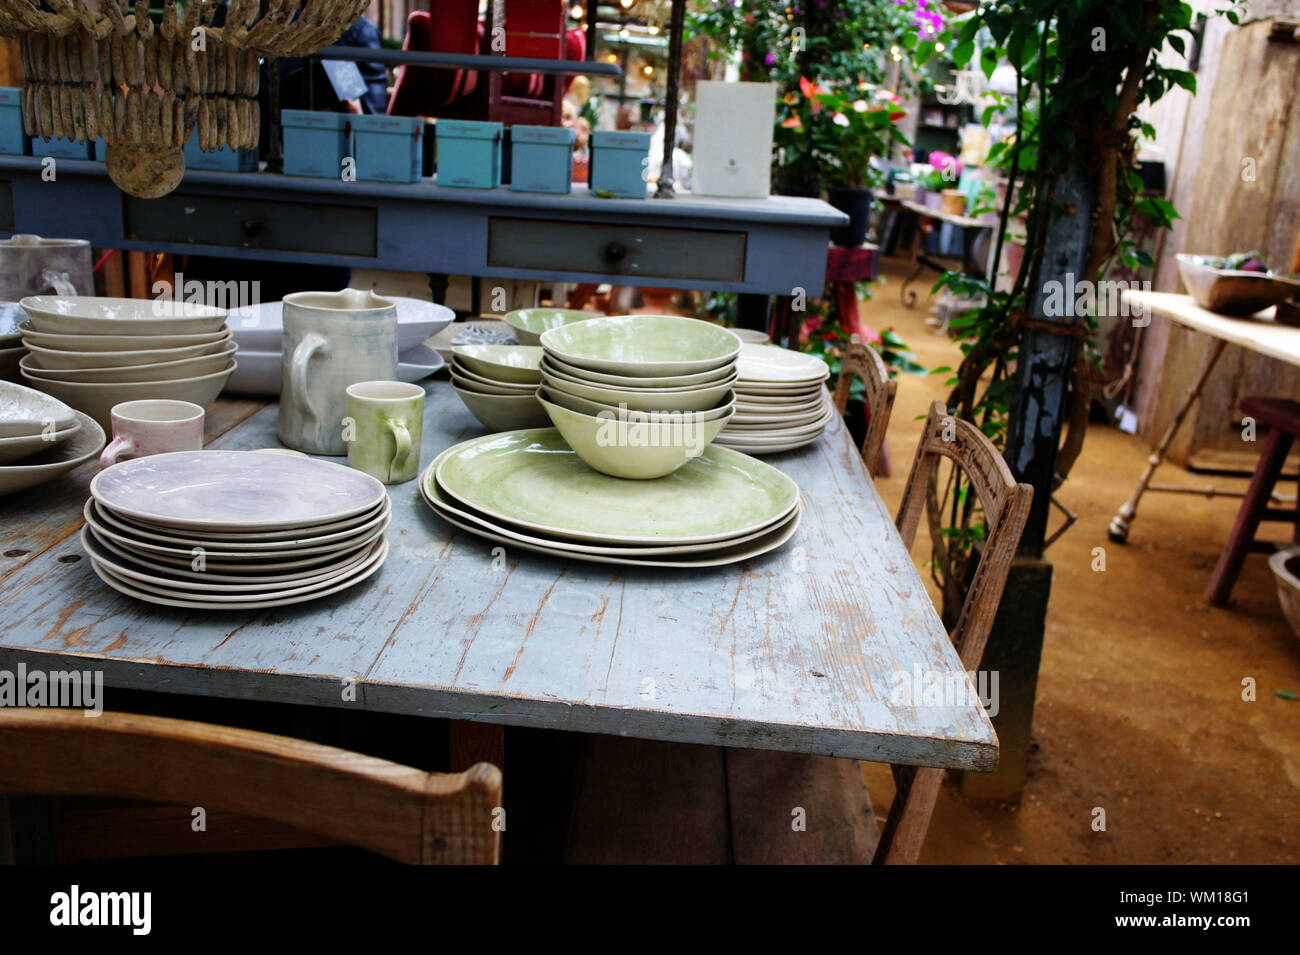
{"type": "Point", "coordinates": [382, 429]}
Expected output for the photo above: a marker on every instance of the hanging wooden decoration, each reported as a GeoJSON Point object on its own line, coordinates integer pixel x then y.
{"type": "Point", "coordinates": [105, 68]}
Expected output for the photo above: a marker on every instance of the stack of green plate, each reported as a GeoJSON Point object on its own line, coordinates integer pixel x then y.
{"type": "Point", "coordinates": [528, 489]}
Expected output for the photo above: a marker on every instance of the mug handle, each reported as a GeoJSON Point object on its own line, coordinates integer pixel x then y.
{"type": "Point", "coordinates": [116, 448]}
{"type": "Point", "coordinates": [61, 282]}
{"type": "Point", "coordinates": [310, 344]}
{"type": "Point", "coordinates": [402, 436]}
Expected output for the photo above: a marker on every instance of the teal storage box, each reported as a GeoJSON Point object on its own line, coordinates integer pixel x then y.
{"type": "Point", "coordinates": [618, 163]}
{"type": "Point", "coordinates": [541, 158]}
{"type": "Point", "coordinates": [13, 141]}
{"type": "Point", "coordinates": [315, 144]}
{"type": "Point", "coordinates": [469, 153]}
{"type": "Point", "coordinates": [63, 148]}
{"type": "Point", "coordinates": [220, 160]}
{"type": "Point", "coordinates": [388, 148]}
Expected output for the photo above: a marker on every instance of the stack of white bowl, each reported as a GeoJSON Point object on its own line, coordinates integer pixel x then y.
{"type": "Point", "coordinates": [781, 401]}
{"type": "Point", "coordinates": [93, 353]}
{"type": "Point", "coordinates": [637, 396]}
{"type": "Point", "coordinates": [11, 346]}
{"type": "Point", "coordinates": [234, 529]}
{"type": "Point", "coordinates": [41, 438]}
{"type": "Point", "coordinates": [498, 384]}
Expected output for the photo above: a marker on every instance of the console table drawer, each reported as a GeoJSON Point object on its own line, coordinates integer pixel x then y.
{"type": "Point", "coordinates": [253, 224]}
{"type": "Point", "coordinates": [599, 249]}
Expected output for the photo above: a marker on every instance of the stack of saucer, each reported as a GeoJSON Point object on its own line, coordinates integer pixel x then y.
{"type": "Point", "coordinates": [234, 529]}
{"type": "Point", "coordinates": [781, 401]}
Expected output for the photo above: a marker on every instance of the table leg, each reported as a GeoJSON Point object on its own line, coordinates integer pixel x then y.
{"type": "Point", "coordinates": [471, 743]}
{"type": "Point", "coordinates": [918, 238]}
{"type": "Point", "coordinates": [1127, 514]}
{"type": "Point", "coordinates": [846, 300]}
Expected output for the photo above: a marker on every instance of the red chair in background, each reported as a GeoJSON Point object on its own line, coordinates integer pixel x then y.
{"type": "Point", "coordinates": [533, 28]}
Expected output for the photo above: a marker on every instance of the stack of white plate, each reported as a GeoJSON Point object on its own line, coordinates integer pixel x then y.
{"type": "Point", "coordinates": [11, 346]}
{"type": "Point", "coordinates": [498, 384]}
{"type": "Point", "coordinates": [234, 529]}
{"type": "Point", "coordinates": [528, 489]}
{"type": "Point", "coordinates": [781, 401]}
{"type": "Point", "coordinates": [96, 352]}
{"type": "Point", "coordinates": [41, 438]}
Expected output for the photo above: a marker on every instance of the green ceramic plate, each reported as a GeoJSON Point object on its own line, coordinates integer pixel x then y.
{"type": "Point", "coordinates": [775, 365]}
{"type": "Point", "coordinates": [533, 479]}
{"type": "Point", "coordinates": [453, 511]}
{"type": "Point", "coordinates": [643, 345]}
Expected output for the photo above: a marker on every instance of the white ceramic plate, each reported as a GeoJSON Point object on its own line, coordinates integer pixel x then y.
{"type": "Point", "coordinates": [253, 545]}
{"type": "Point", "coordinates": [91, 315]}
{"type": "Point", "coordinates": [775, 365]}
{"type": "Point", "coordinates": [123, 587]}
{"type": "Point", "coordinates": [234, 491]}
{"type": "Point", "coordinates": [16, 449]}
{"type": "Point", "coordinates": [47, 465]}
{"type": "Point", "coordinates": [292, 534]}
{"type": "Point", "coordinates": [152, 577]}
{"type": "Point", "coordinates": [533, 480]}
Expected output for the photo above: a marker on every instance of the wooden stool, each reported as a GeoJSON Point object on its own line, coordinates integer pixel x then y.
{"type": "Point", "coordinates": [1281, 416]}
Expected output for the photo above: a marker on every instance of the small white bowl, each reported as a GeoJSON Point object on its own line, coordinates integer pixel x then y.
{"type": "Point", "coordinates": [504, 412]}
{"type": "Point", "coordinates": [88, 315]}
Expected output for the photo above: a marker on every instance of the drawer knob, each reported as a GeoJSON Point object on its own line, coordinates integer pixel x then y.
{"type": "Point", "coordinates": [615, 251]}
{"type": "Point", "coordinates": [253, 227]}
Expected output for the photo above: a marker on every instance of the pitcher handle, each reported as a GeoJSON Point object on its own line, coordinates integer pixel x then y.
{"type": "Point", "coordinates": [61, 282]}
{"type": "Point", "coordinates": [308, 346]}
{"type": "Point", "coordinates": [402, 437]}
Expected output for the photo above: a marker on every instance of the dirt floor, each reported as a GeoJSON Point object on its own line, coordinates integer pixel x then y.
{"type": "Point", "coordinates": [1140, 704]}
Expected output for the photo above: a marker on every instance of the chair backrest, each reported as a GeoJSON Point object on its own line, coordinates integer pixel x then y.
{"type": "Point", "coordinates": [862, 363]}
{"type": "Point", "coordinates": [1005, 504]}
{"type": "Point", "coordinates": [396, 811]}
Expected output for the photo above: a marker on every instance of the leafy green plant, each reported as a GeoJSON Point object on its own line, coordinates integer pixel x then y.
{"type": "Point", "coordinates": [844, 132]}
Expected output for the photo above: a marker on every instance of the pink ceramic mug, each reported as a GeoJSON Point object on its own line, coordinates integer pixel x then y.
{"type": "Point", "coordinates": [153, 426]}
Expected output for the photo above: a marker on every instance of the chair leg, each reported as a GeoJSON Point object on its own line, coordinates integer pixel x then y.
{"type": "Point", "coordinates": [917, 791]}
{"type": "Point", "coordinates": [1276, 448]}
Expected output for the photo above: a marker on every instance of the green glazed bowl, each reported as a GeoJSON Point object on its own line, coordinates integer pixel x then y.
{"type": "Point", "coordinates": [504, 412]}
{"type": "Point", "coordinates": [722, 408]}
{"type": "Point", "coordinates": [517, 364]}
{"type": "Point", "coordinates": [529, 323]}
{"type": "Point", "coordinates": [640, 450]}
{"type": "Point", "coordinates": [643, 346]}
{"type": "Point", "coordinates": [642, 399]}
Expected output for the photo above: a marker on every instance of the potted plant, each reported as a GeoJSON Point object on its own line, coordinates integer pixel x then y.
{"type": "Point", "coordinates": [929, 188]}
{"type": "Point", "coordinates": [844, 131]}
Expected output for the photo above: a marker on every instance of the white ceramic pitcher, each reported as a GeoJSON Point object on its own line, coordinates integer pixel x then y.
{"type": "Point", "coordinates": [331, 340]}
{"type": "Point", "coordinates": [30, 265]}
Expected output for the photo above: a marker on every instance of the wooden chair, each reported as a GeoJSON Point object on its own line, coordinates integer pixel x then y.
{"type": "Point", "coordinates": [1006, 505]}
{"type": "Point", "coordinates": [396, 811]}
{"type": "Point", "coordinates": [862, 363]}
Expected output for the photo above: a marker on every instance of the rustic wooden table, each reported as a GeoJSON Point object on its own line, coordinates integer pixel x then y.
{"type": "Point", "coordinates": [802, 650]}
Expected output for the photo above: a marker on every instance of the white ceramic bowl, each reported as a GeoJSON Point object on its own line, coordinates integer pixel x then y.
{"type": "Point", "coordinates": [25, 410]}
{"type": "Point", "coordinates": [54, 358]}
{"type": "Point", "coordinates": [159, 371]}
{"type": "Point", "coordinates": [88, 315]}
{"type": "Point", "coordinates": [259, 328]}
{"type": "Point", "coordinates": [98, 398]}
{"type": "Point", "coordinates": [530, 323]}
{"type": "Point", "coordinates": [635, 450]}
{"type": "Point", "coordinates": [516, 364]}
{"type": "Point", "coordinates": [643, 346]}
{"type": "Point", "coordinates": [107, 343]}
{"type": "Point", "coordinates": [504, 412]}
{"type": "Point", "coordinates": [77, 450]}
{"type": "Point", "coordinates": [715, 376]}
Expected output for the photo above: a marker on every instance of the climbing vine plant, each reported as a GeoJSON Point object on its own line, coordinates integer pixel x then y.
{"type": "Point", "coordinates": [1083, 68]}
